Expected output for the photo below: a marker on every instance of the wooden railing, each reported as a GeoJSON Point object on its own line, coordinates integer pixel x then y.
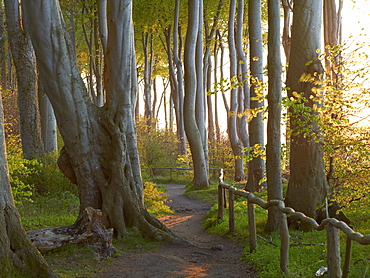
{"type": "Point", "coordinates": [332, 225]}
{"type": "Point", "coordinates": [171, 169]}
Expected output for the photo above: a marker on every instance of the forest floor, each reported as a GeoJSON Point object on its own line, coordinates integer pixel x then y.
{"type": "Point", "coordinates": [208, 255]}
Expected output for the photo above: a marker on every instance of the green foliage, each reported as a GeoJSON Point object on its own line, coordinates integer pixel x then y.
{"type": "Point", "coordinates": [155, 199]}
{"type": "Point", "coordinates": [37, 176]}
{"type": "Point", "coordinates": [157, 148]}
{"type": "Point", "coordinates": [335, 114]}
{"type": "Point", "coordinates": [307, 252]}
{"type": "Point", "coordinates": [54, 210]}
{"type": "Point", "coordinates": [19, 171]}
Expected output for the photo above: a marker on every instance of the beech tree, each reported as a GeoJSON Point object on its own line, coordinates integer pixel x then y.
{"type": "Point", "coordinates": [236, 143]}
{"type": "Point", "coordinates": [256, 167]}
{"type": "Point", "coordinates": [25, 63]}
{"type": "Point", "coordinates": [307, 186]}
{"type": "Point", "coordinates": [100, 153]}
{"type": "Point", "coordinates": [191, 80]}
{"type": "Point", "coordinates": [273, 146]}
{"type": "Point", "coordinates": [18, 257]}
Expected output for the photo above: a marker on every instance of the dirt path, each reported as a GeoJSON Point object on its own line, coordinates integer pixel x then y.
{"type": "Point", "coordinates": [209, 256]}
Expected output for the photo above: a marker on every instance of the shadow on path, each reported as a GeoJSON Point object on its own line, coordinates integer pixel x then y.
{"type": "Point", "coordinates": [209, 256]}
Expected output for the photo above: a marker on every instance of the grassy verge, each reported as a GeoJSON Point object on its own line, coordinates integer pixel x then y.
{"type": "Point", "coordinates": [308, 251]}
{"type": "Point", "coordinates": [61, 209]}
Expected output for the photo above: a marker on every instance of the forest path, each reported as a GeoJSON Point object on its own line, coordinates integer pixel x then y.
{"type": "Point", "coordinates": [209, 256]}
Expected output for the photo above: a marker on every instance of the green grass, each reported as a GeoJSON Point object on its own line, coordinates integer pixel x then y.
{"type": "Point", "coordinates": [61, 209]}
{"type": "Point", "coordinates": [304, 260]}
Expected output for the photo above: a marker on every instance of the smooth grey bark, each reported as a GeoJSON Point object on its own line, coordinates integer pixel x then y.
{"type": "Point", "coordinates": [243, 90]}
{"type": "Point", "coordinates": [148, 70]}
{"type": "Point", "coordinates": [3, 51]}
{"type": "Point", "coordinates": [25, 64]}
{"type": "Point", "coordinates": [191, 80]}
{"type": "Point", "coordinates": [236, 144]}
{"type": "Point", "coordinates": [287, 6]}
{"type": "Point", "coordinates": [256, 167]}
{"type": "Point", "coordinates": [273, 146]}
{"type": "Point", "coordinates": [100, 143]}
{"type": "Point", "coordinates": [210, 34]}
{"type": "Point", "coordinates": [18, 257]}
{"type": "Point", "coordinates": [200, 100]}
{"type": "Point", "coordinates": [103, 28]}
{"type": "Point", "coordinates": [48, 121]}
{"type": "Point", "coordinates": [307, 187]}
{"type": "Point", "coordinates": [177, 47]}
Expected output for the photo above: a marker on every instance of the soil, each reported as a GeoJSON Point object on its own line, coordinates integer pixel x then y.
{"type": "Point", "coordinates": [207, 256]}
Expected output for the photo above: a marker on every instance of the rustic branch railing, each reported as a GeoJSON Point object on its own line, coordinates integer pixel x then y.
{"type": "Point", "coordinates": [333, 227]}
{"type": "Point", "coordinates": [171, 169]}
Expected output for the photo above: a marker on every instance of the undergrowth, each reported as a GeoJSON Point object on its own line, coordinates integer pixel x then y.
{"type": "Point", "coordinates": [307, 252]}
{"type": "Point", "coordinates": [46, 199]}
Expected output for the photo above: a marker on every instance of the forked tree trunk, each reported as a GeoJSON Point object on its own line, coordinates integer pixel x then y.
{"type": "Point", "coordinates": [100, 143]}
{"type": "Point", "coordinates": [236, 143]}
{"type": "Point", "coordinates": [191, 128]}
{"type": "Point", "coordinates": [18, 257]}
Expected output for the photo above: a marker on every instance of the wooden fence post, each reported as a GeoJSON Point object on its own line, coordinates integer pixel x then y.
{"type": "Point", "coordinates": [231, 212]}
{"type": "Point", "coordinates": [221, 204]}
{"type": "Point", "coordinates": [284, 247]}
{"type": "Point", "coordinates": [252, 228]}
{"type": "Point", "coordinates": [333, 252]}
{"type": "Point", "coordinates": [347, 259]}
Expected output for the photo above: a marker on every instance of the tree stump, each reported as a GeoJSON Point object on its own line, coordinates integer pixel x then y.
{"type": "Point", "coordinates": [88, 229]}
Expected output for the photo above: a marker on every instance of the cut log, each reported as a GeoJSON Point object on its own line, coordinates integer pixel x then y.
{"type": "Point", "coordinates": [88, 229]}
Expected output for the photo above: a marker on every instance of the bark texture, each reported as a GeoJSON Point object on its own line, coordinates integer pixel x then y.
{"type": "Point", "coordinates": [273, 147]}
{"type": "Point", "coordinates": [307, 186]}
{"type": "Point", "coordinates": [256, 167]}
{"type": "Point", "coordinates": [88, 229]}
{"type": "Point", "coordinates": [25, 63]}
{"type": "Point", "coordinates": [18, 257]}
{"type": "Point", "coordinates": [100, 143]}
{"type": "Point", "coordinates": [191, 128]}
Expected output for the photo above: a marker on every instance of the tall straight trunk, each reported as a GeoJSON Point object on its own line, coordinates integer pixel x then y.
{"type": "Point", "coordinates": [256, 167]}
{"type": "Point", "coordinates": [200, 101]}
{"type": "Point", "coordinates": [18, 257]}
{"type": "Point", "coordinates": [177, 46]}
{"type": "Point", "coordinates": [25, 63]}
{"type": "Point", "coordinates": [207, 66]}
{"type": "Point", "coordinates": [243, 90]}
{"type": "Point", "coordinates": [333, 70]}
{"type": "Point", "coordinates": [307, 186]}
{"type": "Point", "coordinates": [273, 147]}
{"type": "Point", "coordinates": [100, 152]}
{"type": "Point", "coordinates": [194, 137]}
{"type": "Point", "coordinates": [235, 141]}
{"type": "Point", "coordinates": [148, 69]}
{"type": "Point", "coordinates": [3, 51]}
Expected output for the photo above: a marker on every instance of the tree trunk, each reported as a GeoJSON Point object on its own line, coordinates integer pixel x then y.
{"type": "Point", "coordinates": [235, 142]}
{"type": "Point", "coordinates": [100, 143]}
{"type": "Point", "coordinates": [273, 147]}
{"type": "Point", "coordinates": [243, 90]}
{"type": "Point", "coordinates": [24, 61]}
{"type": "Point", "coordinates": [148, 69]}
{"type": "Point", "coordinates": [307, 186]}
{"type": "Point", "coordinates": [191, 128]}
{"type": "Point", "coordinates": [88, 230]}
{"type": "Point", "coordinates": [256, 167]}
{"type": "Point", "coordinates": [48, 121]}
{"type": "Point", "coordinates": [18, 257]}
